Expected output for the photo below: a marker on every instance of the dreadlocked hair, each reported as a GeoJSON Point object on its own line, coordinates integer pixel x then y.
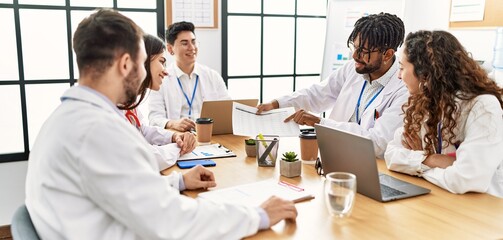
{"type": "Point", "coordinates": [446, 72]}
{"type": "Point", "coordinates": [381, 31]}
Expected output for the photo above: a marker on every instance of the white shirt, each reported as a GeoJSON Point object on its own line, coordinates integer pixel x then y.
{"type": "Point", "coordinates": [339, 93]}
{"type": "Point", "coordinates": [92, 175]}
{"type": "Point", "coordinates": [170, 102]}
{"type": "Point", "coordinates": [479, 157]}
{"type": "Point", "coordinates": [369, 94]}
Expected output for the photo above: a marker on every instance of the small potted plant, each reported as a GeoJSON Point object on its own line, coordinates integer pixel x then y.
{"type": "Point", "coordinates": [290, 166]}
{"type": "Point", "coordinates": [250, 147]}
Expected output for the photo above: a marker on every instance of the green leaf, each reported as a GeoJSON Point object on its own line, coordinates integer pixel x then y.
{"type": "Point", "coordinates": [290, 156]}
{"type": "Point", "coordinates": [250, 141]}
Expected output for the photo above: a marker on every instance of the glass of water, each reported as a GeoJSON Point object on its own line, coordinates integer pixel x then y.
{"type": "Point", "coordinates": [340, 190]}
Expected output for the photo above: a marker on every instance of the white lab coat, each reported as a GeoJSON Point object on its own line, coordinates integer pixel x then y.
{"type": "Point", "coordinates": [164, 150]}
{"type": "Point", "coordinates": [91, 175]}
{"type": "Point", "coordinates": [479, 157]}
{"type": "Point", "coordinates": [339, 93]}
{"type": "Point", "coordinates": [167, 103]}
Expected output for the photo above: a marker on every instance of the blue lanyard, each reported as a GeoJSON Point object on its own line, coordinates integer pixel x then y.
{"type": "Point", "coordinates": [439, 138]}
{"type": "Point", "coordinates": [358, 120]}
{"type": "Point", "coordinates": [187, 97]}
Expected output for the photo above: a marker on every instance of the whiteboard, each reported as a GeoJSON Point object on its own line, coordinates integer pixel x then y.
{"type": "Point", "coordinates": [341, 16]}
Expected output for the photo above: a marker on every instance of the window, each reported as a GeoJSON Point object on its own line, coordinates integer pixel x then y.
{"type": "Point", "coordinates": [272, 47]}
{"type": "Point", "coordinates": [38, 62]}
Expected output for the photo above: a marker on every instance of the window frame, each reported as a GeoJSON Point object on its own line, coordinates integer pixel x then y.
{"type": "Point", "coordinates": [261, 76]}
{"type": "Point", "coordinates": [22, 82]}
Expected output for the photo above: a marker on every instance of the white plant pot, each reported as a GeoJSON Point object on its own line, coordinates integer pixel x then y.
{"type": "Point", "coordinates": [251, 150]}
{"type": "Point", "coordinates": [290, 169]}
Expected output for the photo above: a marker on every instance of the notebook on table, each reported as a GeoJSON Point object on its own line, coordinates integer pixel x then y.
{"type": "Point", "coordinates": [221, 112]}
{"type": "Point", "coordinates": [342, 151]}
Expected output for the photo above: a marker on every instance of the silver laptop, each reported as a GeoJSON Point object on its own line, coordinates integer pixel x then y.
{"type": "Point", "coordinates": [221, 112]}
{"type": "Point", "coordinates": [346, 152]}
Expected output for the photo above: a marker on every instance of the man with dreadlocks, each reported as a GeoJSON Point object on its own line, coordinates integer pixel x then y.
{"type": "Point", "coordinates": [364, 95]}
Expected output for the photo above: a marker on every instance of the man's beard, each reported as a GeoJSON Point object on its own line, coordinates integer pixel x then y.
{"type": "Point", "coordinates": [369, 67]}
{"type": "Point", "coordinates": [131, 86]}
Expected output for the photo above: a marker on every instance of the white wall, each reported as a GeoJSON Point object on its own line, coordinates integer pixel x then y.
{"type": "Point", "coordinates": [12, 179]}
{"type": "Point", "coordinates": [425, 14]}
{"type": "Point", "coordinates": [434, 15]}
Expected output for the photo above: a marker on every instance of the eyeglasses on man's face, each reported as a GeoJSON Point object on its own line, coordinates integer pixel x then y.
{"type": "Point", "coordinates": [361, 51]}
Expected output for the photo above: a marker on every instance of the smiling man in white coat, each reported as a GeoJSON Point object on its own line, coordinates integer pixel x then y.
{"type": "Point", "coordinates": [180, 100]}
{"type": "Point", "coordinates": [365, 95]}
{"type": "Point", "coordinates": [92, 175]}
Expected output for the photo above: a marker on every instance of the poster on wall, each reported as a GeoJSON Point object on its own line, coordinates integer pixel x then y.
{"type": "Point", "coordinates": [202, 13]}
{"type": "Point", "coordinates": [467, 10]}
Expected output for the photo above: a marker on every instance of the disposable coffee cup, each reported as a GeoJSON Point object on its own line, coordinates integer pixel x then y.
{"type": "Point", "coordinates": [204, 127]}
{"type": "Point", "coordinates": [308, 147]}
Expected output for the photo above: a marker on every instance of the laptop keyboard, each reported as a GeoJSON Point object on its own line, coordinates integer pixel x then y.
{"type": "Point", "coordinates": [390, 192]}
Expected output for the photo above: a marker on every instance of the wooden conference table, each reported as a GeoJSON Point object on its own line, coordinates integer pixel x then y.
{"type": "Point", "coordinates": [438, 215]}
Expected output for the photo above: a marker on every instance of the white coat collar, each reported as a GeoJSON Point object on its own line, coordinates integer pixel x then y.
{"type": "Point", "coordinates": [179, 73]}
{"type": "Point", "coordinates": [91, 96]}
{"type": "Point", "coordinates": [391, 81]}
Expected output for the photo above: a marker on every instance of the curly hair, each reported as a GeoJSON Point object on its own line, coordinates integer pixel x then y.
{"type": "Point", "coordinates": [446, 72]}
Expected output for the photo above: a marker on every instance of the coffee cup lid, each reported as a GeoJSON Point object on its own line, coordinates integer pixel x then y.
{"type": "Point", "coordinates": [309, 135]}
{"type": "Point", "coordinates": [204, 120]}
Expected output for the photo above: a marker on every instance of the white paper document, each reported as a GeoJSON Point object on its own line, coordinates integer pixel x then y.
{"type": "Point", "coordinates": [246, 123]}
{"type": "Point", "coordinates": [256, 193]}
{"type": "Point", "coordinates": [207, 151]}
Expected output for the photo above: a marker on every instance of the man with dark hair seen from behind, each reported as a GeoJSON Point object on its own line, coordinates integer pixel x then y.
{"type": "Point", "coordinates": [365, 95]}
{"type": "Point", "coordinates": [92, 175]}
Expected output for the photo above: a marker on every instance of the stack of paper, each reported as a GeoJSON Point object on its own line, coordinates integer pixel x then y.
{"type": "Point", "coordinates": [246, 123]}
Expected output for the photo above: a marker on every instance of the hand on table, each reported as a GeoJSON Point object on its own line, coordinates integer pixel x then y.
{"type": "Point", "coordinates": [185, 140]}
{"type": "Point", "coordinates": [199, 177]}
{"type": "Point", "coordinates": [278, 209]}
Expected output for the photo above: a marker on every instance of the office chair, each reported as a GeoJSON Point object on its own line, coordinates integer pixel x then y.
{"type": "Point", "coordinates": [21, 227]}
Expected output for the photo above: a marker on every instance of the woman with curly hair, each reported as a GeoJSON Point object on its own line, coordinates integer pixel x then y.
{"type": "Point", "coordinates": [453, 126]}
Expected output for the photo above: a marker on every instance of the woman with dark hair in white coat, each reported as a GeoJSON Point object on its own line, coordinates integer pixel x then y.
{"type": "Point", "coordinates": [167, 145]}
